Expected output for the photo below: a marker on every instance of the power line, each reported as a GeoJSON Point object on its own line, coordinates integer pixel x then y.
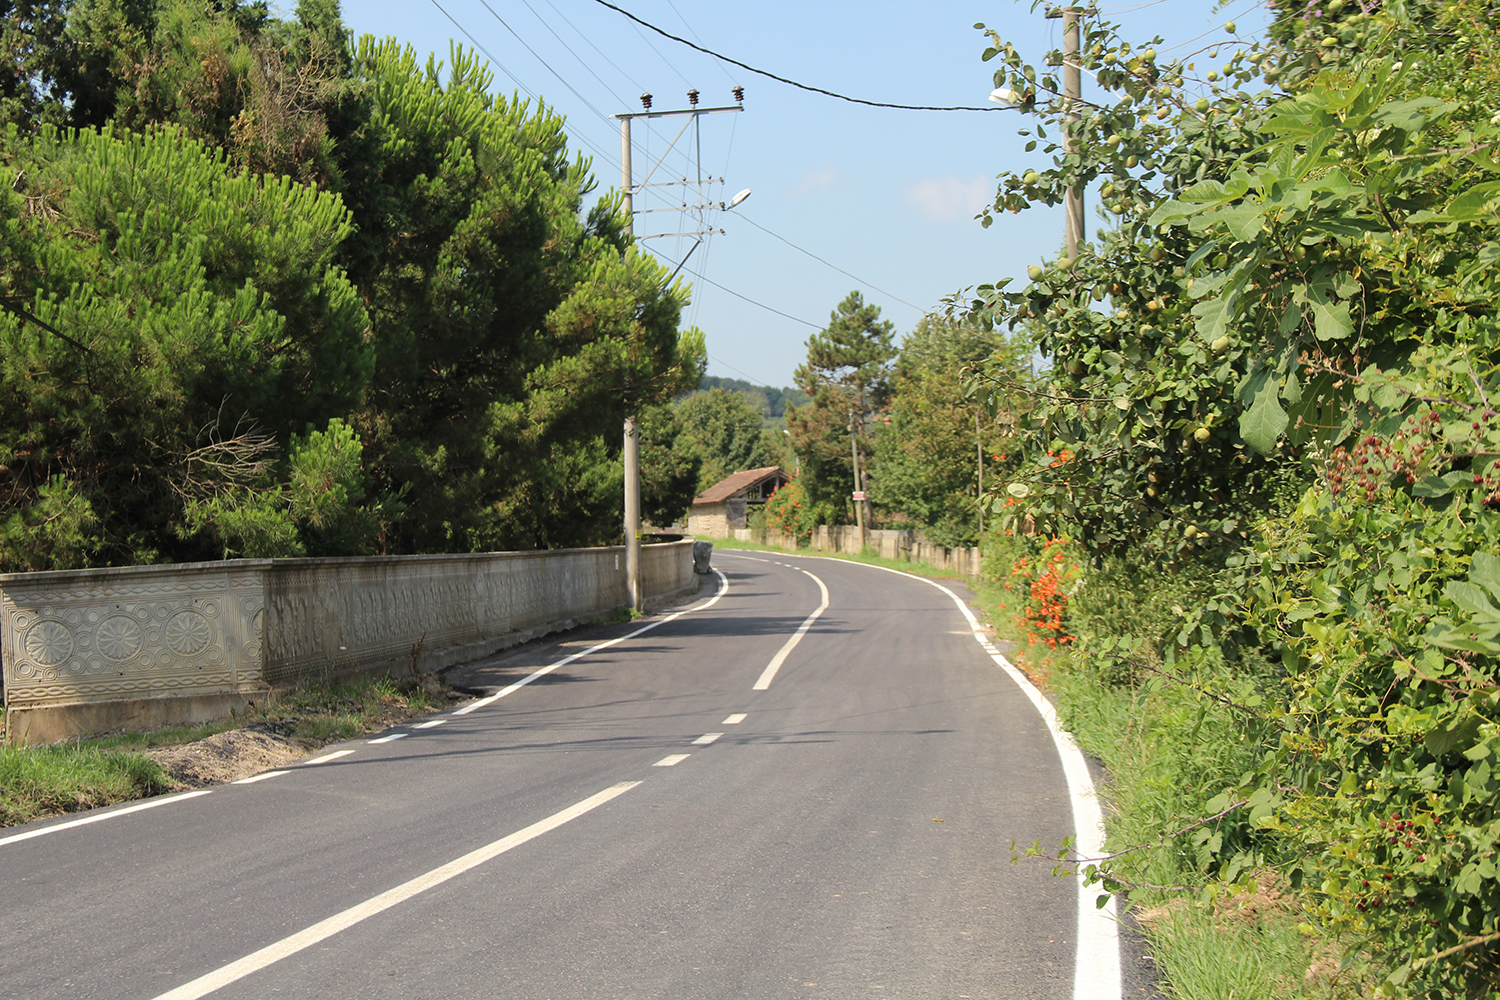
{"type": "Point", "coordinates": [565, 45]}
{"type": "Point", "coordinates": [737, 295]}
{"type": "Point", "coordinates": [514, 79]}
{"type": "Point", "coordinates": [753, 379]}
{"type": "Point", "coordinates": [602, 116]}
{"type": "Point", "coordinates": [782, 79]}
{"type": "Point", "coordinates": [840, 270]}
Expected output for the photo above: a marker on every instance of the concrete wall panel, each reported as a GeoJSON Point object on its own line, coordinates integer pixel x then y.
{"type": "Point", "coordinates": [87, 650]}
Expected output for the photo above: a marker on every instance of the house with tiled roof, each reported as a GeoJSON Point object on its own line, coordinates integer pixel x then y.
{"type": "Point", "coordinates": [725, 506]}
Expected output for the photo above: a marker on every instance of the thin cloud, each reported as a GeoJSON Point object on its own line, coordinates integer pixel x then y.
{"type": "Point", "coordinates": [951, 199]}
{"type": "Point", "coordinates": [815, 181]}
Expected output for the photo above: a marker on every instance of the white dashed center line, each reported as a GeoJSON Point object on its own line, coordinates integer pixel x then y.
{"type": "Point", "coordinates": [706, 739]}
{"type": "Point", "coordinates": [734, 719]}
{"type": "Point", "coordinates": [328, 756]}
{"type": "Point", "coordinates": [393, 736]}
{"type": "Point", "coordinates": [430, 724]}
{"type": "Point", "coordinates": [669, 761]}
{"type": "Point", "coordinates": [258, 777]}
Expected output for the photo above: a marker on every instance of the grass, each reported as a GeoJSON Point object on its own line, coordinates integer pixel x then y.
{"type": "Point", "coordinates": [45, 781]}
{"type": "Point", "coordinates": [41, 781]}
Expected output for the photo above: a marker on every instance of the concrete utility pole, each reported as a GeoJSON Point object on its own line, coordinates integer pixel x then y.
{"type": "Point", "coordinates": [1072, 94]}
{"type": "Point", "coordinates": [632, 456]}
{"type": "Point", "coordinates": [859, 500]}
{"type": "Point", "coordinates": [979, 444]}
{"type": "Point", "coordinates": [632, 449]}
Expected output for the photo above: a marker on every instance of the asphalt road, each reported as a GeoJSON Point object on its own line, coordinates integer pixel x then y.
{"type": "Point", "coordinates": [805, 786]}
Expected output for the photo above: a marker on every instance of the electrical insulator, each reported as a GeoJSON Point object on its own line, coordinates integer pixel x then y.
{"type": "Point", "coordinates": [646, 101]}
{"type": "Point", "coordinates": [739, 95]}
{"type": "Point", "coordinates": [693, 97]}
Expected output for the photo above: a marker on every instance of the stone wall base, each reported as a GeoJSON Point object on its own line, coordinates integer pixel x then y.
{"type": "Point", "coordinates": [60, 722]}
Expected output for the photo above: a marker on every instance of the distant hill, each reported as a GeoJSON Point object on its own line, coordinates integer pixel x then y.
{"type": "Point", "coordinates": [771, 402]}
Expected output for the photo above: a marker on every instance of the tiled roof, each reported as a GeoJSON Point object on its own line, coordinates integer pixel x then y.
{"type": "Point", "coordinates": [740, 481]}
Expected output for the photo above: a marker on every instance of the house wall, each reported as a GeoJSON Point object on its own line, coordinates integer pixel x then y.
{"type": "Point", "coordinates": [709, 520]}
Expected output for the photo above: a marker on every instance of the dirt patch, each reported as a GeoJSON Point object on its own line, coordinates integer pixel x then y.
{"type": "Point", "coordinates": [264, 746]}
{"type": "Point", "coordinates": [229, 756]}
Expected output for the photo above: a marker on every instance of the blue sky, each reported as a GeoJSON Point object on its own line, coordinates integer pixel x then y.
{"type": "Point", "coordinates": [888, 196]}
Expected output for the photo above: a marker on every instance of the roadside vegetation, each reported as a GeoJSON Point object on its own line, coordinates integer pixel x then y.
{"type": "Point", "coordinates": [1250, 535]}
{"type": "Point", "coordinates": [41, 781]}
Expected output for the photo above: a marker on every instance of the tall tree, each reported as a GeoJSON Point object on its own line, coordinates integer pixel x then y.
{"type": "Point", "coordinates": [502, 331]}
{"type": "Point", "coordinates": [848, 377]}
{"type": "Point", "coordinates": [723, 431]}
{"type": "Point", "coordinates": [170, 324]}
{"type": "Point", "coordinates": [939, 439]}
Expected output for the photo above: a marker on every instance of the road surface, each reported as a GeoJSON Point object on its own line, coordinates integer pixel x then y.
{"type": "Point", "coordinates": [804, 784]}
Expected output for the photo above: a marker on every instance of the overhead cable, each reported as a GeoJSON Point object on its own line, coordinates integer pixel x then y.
{"type": "Point", "coordinates": [737, 295]}
{"type": "Point", "coordinates": [820, 260]}
{"type": "Point", "coordinates": [793, 83]}
{"type": "Point", "coordinates": [606, 157]}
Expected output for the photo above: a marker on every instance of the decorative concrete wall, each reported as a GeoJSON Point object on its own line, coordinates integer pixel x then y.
{"type": "Point", "coordinates": [91, 650]}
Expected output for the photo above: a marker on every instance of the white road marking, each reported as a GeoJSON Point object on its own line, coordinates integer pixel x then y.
{"type": "Point", "coordinates": [1096, 968]}
{"type": "Point", "coordinates": [491, 699]}
{"type": "Point", "coordinates": [328, 756]}
{"type": "Point", "coordinates": [734, 719]}
{"type": "Point", "coordinates": [387, 739]}
{"type": "Point", "coordinates": [706, 739]}
{"type": "Point", "coordinates": [325, 929]}
{"type": "Point", "coordinates": [101, 816]}
{"type": "Point", "coordinates": [672, 760]}
{"type": "Point", "coordinates": [258, 777]}
{"type": "Point", "coordinates": [769, 674]}
{"type": "Point", "coordinates": [429, 724]}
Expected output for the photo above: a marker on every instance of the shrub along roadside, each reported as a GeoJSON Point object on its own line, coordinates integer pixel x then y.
{"type": "Point", "coordinates": [37, 782]}
{"type": "Point", "coordinates": [1172, 738]}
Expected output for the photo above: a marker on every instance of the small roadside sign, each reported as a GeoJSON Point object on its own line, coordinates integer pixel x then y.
{"type": "Point", "coordinates": [859, 494]}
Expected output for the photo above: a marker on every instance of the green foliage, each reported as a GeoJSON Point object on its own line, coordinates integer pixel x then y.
{"type": "Point", "coordinates": [723, 432]}
{"type": "Point", "coordinates": [770, 401]}
{"type": "Point", "coordinates": [42, 781]}
{"type": "Point", "coordinates": [273, 229]}
{"type": "Point", "coordinates": [792, 511]}
{"type": "Point", "coordinates": [1276, 367]}
{"type": "Point", "coordinates": [669, 466]}
{"type": "Point", "coordinates": [512, 334]}
{"type": "Point", "coordinates": [847, 376]}
{"type": "Point", "coordinates": [937, 439]}
{"type": "Point", "coordinates": [55, 532]}
{"type": "Point", "coordinates": [171, 323]}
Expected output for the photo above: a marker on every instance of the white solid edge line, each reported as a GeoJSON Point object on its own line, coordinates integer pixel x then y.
{"type": "Point", "coordinates": [1096, 972]}
{"type": "Point", "coordinates": [262, 776]}
{"type": "Point", "coordinates": [769, 674]}
{"type": "Point", "coordinates": [324, 929]}
{"type": "Point", "coordinates": [327, 757]}
{"type": "Point", "coordinates": [672, 760]}
{"type": "Point", "coordinates": [99, 817]}
{"type": "Point", "coordinates": [491, 699]}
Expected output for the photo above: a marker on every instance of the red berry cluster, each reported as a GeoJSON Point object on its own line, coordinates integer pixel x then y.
{"type": "Point", "coordinates": [1373, 461]}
